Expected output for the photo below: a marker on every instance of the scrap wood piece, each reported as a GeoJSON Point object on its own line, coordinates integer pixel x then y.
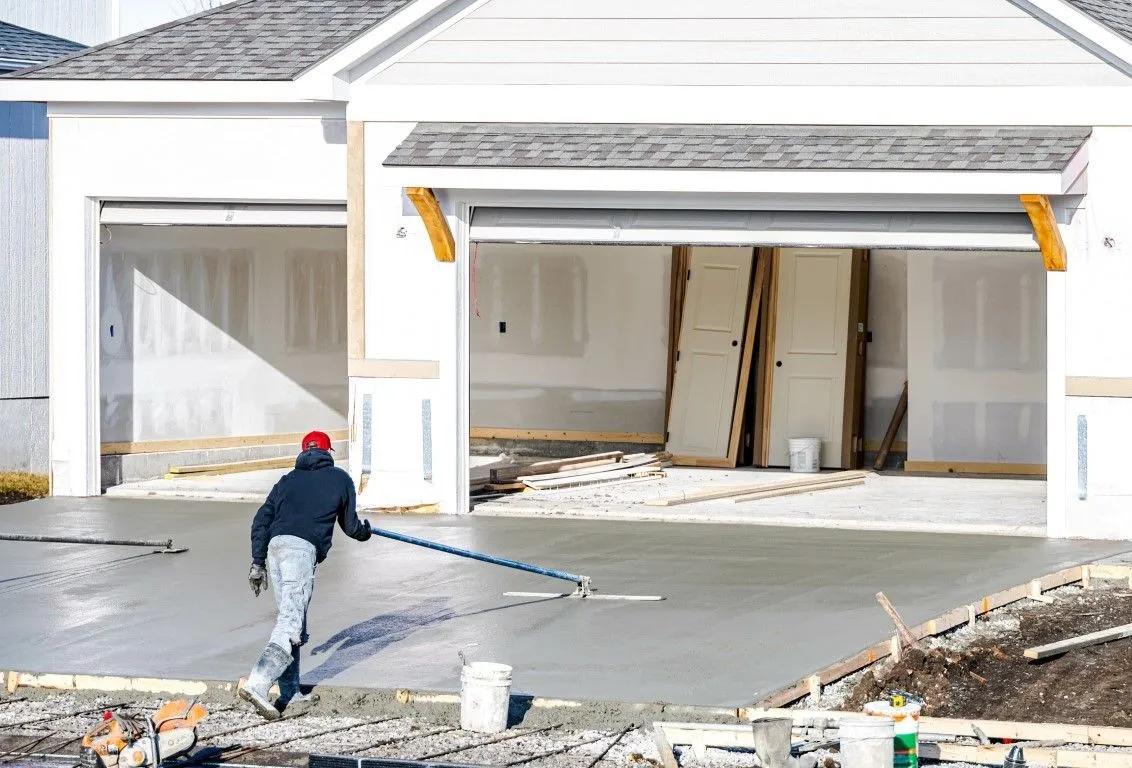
{"type": "Point", "coordinates": [727, 491]}
{"type": "Point", "coordinates": [548, 483]}
{"type": "Point", "coordinates": [893, 428]}
{"type": "Point", "coordinates": [231, 467]}
{"type": "Point", "coordinates": [995, 755]}
{"type": "Point", "coordinates": [507, 474]}
{"type": "Point", "coordinates": [906, 635]}
{"type": "Point", "coordinates": [1081, 641]}
{"type": "Point", "coordinates": [847, 483]}
{"type": "Point", "coordinates": [634, 460]}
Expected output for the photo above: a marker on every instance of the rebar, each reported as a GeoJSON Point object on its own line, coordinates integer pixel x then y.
{"type": "Point", "coordinates": [486, 742]}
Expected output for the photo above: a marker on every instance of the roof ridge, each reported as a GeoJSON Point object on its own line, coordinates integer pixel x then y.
{"type": "Point", "coordinates": [42, 34]}
{"type": "Point", "coordinates": [131, 37]}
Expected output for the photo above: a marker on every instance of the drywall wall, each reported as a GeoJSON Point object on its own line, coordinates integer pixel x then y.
{"type": "Point", "coordinates": [585, 346]}
{"type": "Point", "coordinates": [221, 331]}
{"type": "Point", "coordinates": [976, 357]}
{"type": "Point", "coordinates": [886, 366]}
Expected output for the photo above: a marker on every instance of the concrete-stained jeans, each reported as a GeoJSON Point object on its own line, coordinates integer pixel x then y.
{"type": "Point", "coordinates": [291, 563]}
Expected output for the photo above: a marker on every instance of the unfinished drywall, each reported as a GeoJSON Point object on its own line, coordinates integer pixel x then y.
{"type": "Point", "coordinates": [571, 337]}
{"type": "Point", "coordinates": [886, 366]}
{"type": "Point", "coordinates": [221, 331]}
{"type": "Point", "coordinates": [976, 357]}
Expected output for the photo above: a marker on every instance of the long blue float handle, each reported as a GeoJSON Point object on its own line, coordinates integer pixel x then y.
{"type": "Point", "coordinates": [583, 582]}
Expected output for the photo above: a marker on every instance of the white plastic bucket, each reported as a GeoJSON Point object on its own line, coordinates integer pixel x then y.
{"type": "Point", "coordinates": [485, 696]}
{"type": "Point", "coordinates": [866, 742]}
{"type": "Point", "coordinates": [906, 730]}
{"type": "Point", "coordinates": [805, 454]}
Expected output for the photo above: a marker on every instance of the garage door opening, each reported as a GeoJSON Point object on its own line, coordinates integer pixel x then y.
{"type": "Point", "coordinates": [218, 344]}
{"type": "Point", "coordinates": [579, 349]}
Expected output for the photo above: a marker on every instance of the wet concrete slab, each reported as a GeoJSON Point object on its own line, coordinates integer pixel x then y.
{"type": "Point", "coordinates": [749, 607]}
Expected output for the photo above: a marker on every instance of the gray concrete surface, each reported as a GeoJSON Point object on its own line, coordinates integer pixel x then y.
{"type": "Point", "coordinates": [749, 607]}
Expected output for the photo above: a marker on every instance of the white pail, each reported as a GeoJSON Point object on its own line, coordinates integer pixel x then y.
{"type": "Point", "coordinates": [485, 696]}
{"type": "Point", "coordinates": [805, 454]}
{"type": "Point", "coordinates": [866, 742]}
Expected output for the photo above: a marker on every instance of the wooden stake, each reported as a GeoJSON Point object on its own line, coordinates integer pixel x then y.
{"type": "Point", "coordinates": [1081, 641]}
{"type": "Point", "coordinates": [893, 428]}
{"type": "Point", "coordinates": [901, 628]}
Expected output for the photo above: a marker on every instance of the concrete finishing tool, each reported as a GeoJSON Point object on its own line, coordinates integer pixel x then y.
{"type": "Point", "coordinates": [583, 587]}
{"type": "Point", "coordinates": [162, 547]}
{"type": "Point", "coordinates": [122, 741]}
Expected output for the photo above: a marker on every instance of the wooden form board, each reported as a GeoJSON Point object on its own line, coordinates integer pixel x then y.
{"type": "Point", "coordinates": [955, 617]}
{"type": "Point", "coordinates": [506, 433]}
{"type": "Point", "coordinates": [205, 443]}
{"type": "Point", "coordinates": [231, 467]}
{"type": "Point", "coordinates": [973, 468]}
{"type": "Point", "coordinates": [1045, 231]}
{"type": "Point", "coordinates": [1050, 650]}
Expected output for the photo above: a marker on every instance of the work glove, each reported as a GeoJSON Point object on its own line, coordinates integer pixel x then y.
{"type": "Point", "coordinates": [257, 578]}
{"type": "Point", "coordinates": [365, 532]}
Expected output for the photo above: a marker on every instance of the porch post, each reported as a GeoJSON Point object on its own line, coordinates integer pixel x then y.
{"type": "Point", "coordinates": [1056, 469]}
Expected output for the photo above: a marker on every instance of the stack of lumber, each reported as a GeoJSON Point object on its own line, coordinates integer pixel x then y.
{"type": "Point", "coordinates": [753, 492]}
{"type": "Point", "coordinates": [577, 471]}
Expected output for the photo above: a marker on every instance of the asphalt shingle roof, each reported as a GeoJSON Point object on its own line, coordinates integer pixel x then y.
{"type": "Point", "coordinates": [1114, 14]}
{"type": "Point", "coordinates": [243, 40]}
{"type": "Point", "coordinates": [763, 147]}
{"type": "Point", "coordinates": [20, 47]}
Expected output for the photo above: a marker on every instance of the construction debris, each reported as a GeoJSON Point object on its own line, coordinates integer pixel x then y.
{"type": "Point", "coordinates": [578, 471]}
{"type": "Point", "coordinates": [907, 639]}
{"type": "Point", "coordinates": [1081, 641]}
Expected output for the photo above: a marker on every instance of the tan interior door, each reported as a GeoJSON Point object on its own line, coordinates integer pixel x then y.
{"type": "Point", "coordinates": [707, 365]}
{"type": "Point", "coordinates": [810, 347]}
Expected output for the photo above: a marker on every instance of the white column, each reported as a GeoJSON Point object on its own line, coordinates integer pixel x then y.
{"type": "Point", "coordinates": [1057, 454]}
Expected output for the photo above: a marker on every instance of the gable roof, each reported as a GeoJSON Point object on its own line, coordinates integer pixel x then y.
{"type": "Point", "coordinates": [242, 40]}
{"type": "Point", "coordinates": [742, 147]}
{"type": "Point", "coordinates": [21, 47]}
{"type": "Point", "coordinates": [1114, 14]}
{"type": "Point", "coordinates": [281, 39]}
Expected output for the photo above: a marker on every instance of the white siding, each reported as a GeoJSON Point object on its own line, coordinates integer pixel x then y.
{"type": "Point", "coordinates": [23, 250]}
{"type": "Point", "coordinates": [750, 42]}
{"type": "Point", "coordinates": [84, 21]}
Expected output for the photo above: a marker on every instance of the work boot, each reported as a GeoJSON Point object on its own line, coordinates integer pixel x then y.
{"type": "Point", "coordinates": [291, 696]}
{"type": "Point", "coordinates": [273, 662]}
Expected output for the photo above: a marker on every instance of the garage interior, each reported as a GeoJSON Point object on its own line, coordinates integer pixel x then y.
{"type": "Point", "coordinates": [719, 354]}
{"type": "Point", "coordinates": [222, 335]}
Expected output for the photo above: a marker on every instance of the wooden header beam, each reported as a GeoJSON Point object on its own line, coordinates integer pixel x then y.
{"type": "Point", "coordinates": [443, 244]}
{"type": "Point", "coordinates": [1045, 231]}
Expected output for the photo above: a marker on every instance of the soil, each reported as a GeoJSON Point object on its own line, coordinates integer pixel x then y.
{"type": "Point", "coordinates": [989, 678]}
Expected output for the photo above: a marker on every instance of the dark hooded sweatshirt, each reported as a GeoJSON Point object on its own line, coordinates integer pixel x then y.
{"type": "Point", "coordinates": [306, 502]}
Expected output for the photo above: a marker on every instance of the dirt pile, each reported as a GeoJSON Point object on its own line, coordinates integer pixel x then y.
{"type": "Point", "coordinates": [989, 677]}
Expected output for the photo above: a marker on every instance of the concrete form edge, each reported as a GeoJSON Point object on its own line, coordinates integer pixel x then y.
{"type": "Point", "coordinates": [965, 614]}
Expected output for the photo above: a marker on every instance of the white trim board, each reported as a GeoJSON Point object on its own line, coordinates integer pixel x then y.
{"type": "Point", "coordinates": [982, 231]}
{"type": "Point", "coordinates": [223, 214]}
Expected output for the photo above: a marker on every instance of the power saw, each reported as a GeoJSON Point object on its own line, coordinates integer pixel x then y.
{"type": "Point", "coordinates": [123, 741]}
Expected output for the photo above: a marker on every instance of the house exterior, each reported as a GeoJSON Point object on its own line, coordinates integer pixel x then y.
{"type": "Point", "coordinates": [981, 137]}
{"type": "Point", "coordinates": [32, 33]}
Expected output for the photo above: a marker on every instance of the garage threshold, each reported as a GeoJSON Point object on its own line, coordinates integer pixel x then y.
{"type": "Point", "coordinates": [886, 502]}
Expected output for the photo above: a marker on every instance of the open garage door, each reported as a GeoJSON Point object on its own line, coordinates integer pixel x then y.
{"type": "Point", "coordinates": [845, 229]}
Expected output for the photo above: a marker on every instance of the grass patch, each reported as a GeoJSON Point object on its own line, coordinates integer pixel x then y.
{"type": "Point", "coordinates": [22, 486]}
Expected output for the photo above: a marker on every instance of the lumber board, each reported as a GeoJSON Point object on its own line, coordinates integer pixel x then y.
{"type": "Point", "coordinates": [502, 474]}
{"type": "Point", "coordinates": [714, 462]}
{"type": "Point", "coordinates": [231, 467]}
{"type": "Point", "coordinates": [1046, 232]}
{"type": "Point", "coordinates": [848, 483]}
{"type": "Point", "coordinates": [546, 484]}
{"type": "Point", "coordinates": [856, 361]}
{"type": "Point", "coordinates": [1098, 386]}
{"type": "Point", "coordinates": [723, 492]}
{"type": "Point", "coordinates": [206, 443]}
{"type": "Point", "coordinates": [995, 754]}
{"type": "Point", "coordinates": [508, 433]}
{"type": "Point", "coordinates": [1081, 641]}
{"type": "Point", "coordinates": [605, 466]}
{"type": "Point", "coordinates": [893, 427]}
{"type": "Point", "coordinates": [974, 468]}
{"type": "Point", "coordinates": [435, 222]}
{"type": "Point", "coordinates": [953, 618]}
{"type": "Point", "coordinates": [355, 239]}
{"type": "Point", "coordinates": [754, 305]}
{"type": "Point", "coordinates": [678, 284]}
{"type": "Point", "coordinates": [1092, 735]}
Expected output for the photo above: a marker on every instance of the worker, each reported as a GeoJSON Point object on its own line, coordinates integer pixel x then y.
{"type": "Point", "coordinates": [291, 535]}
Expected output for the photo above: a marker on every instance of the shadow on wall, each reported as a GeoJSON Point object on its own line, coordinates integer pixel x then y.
{"type": "Point", "coordinates": [201, 312]}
